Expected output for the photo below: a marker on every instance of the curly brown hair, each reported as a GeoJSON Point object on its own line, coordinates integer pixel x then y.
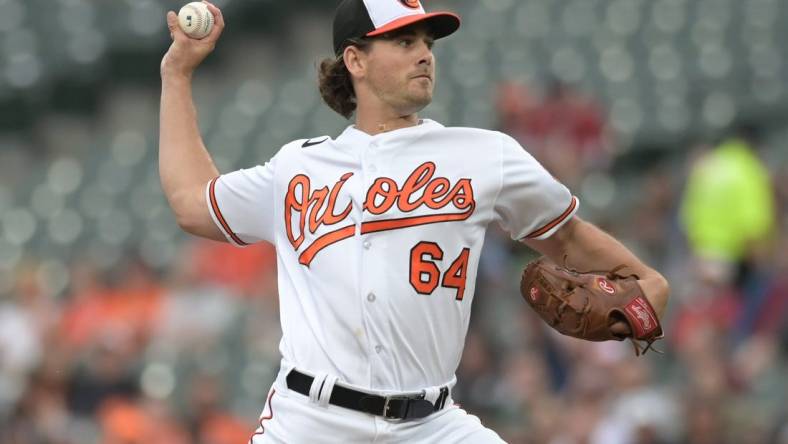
{"type": "Point", "coordinates": [335, 82]}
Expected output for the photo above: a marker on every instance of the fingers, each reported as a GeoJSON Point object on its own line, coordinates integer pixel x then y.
{"type": "Point", "coordinates": [620, 329]}
{"type": "Point", "coordinates": [218, 20]}
{"type": "Point", "coordinates": [172, 23]}
{"type": "Point", "coordinates": [173, 26]}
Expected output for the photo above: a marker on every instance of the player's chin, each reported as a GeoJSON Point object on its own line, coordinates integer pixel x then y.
{"type": "Point", "coordinates": [418, 103]}
{"type": "Point", "coordinates": [421, 95]}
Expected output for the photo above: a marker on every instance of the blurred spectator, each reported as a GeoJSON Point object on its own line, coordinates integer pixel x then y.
{"type": "Point", "coordinates": [125, 309]}
{"type": "Point", "coordinates": [107, 372]}
{"type": "Point", "coordinates": [565, 130]}
{"type": "Point", "coordinates": [197, 308]}
{"type": "Point", "coordinates": [640, 411]}
{"type": "Point", "coordinates": [705, 422]}
{"type": "Point", "coordinates": [728, 209]}
{"type": "Point", "coordinates": [20, 349]}
{"type": "Point", "coordinates": [41, 415]}
{"type": "Point", "coordinates": [651, 230]}
{"type": "Point", "coordinates": [136, 421]}
{"type": "Point", "coordinates": [209, 422]}
{"type": "Point", "coordinates": [772, 317]}
{"type": "Point", "coordinates": [477, 378]}
{"type": "Point", "coordinates": [243, 270]}
{"type": "Point", "coordinates": [27, 317]}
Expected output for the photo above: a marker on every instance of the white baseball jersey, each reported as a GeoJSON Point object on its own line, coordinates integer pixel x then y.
{"type": "Point", "coordinates": [378, 241]}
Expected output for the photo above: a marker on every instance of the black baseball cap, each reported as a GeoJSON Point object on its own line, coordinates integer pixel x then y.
{"type": "Point", "coordinates": [368, 18]}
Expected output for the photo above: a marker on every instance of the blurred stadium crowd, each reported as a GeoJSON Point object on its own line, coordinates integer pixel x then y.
{"type": "Point", "coordinates": [666, 117]}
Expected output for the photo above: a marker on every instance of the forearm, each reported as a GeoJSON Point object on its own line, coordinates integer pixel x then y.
{"type": "Point", "coordinates": [588, 248]}
{"type": "Point", "coordinates": [184, 162]}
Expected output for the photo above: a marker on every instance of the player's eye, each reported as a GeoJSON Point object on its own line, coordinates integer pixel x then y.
{"type": "Point", "coordinates": [405, 42]}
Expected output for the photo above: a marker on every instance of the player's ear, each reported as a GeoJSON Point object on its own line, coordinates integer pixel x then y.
{"type": "Point", "coordinates": [355, 61]}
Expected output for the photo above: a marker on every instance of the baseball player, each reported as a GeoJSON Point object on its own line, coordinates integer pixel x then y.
{"type": "Point", "coordinates": [378, 231]}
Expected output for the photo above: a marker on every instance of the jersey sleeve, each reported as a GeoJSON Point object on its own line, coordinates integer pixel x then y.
{"type": "Point", "coordinates": [241, 204]}
{"type": "Point", "coordinates": [531, 203]}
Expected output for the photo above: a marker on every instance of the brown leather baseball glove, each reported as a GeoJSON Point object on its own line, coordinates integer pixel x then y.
{"type": "Point", "coordinates": [587, 305]}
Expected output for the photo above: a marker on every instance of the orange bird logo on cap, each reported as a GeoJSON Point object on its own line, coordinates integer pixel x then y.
{"type": "Point", "coordinates": [413, 4]}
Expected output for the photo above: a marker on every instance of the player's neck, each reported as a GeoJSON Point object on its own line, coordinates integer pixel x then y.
{"type": "Point", "coordinates": [379, 122]}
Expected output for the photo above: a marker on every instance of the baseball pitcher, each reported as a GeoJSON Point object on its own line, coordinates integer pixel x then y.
{"type": "Point", "coordinates": [378, 233]}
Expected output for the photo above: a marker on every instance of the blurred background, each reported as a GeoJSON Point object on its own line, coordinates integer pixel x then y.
{"type": "Point", "coordinates": [668, 118]}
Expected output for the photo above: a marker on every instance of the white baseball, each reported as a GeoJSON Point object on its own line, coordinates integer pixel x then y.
{"type": "Point", "coordinates": [196, 20]}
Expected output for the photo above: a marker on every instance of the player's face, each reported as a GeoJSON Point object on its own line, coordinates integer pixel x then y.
{"type": "Point", "coordinates": [401, 69]}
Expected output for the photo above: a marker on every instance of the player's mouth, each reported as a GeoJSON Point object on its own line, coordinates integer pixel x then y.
{"type": "Point", "coordinates": [423, 76]}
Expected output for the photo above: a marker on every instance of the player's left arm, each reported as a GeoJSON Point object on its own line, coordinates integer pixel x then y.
{"type": "Point", "coordinates": [588, 248]}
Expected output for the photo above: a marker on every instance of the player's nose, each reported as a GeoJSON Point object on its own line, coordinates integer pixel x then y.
{"type": "Point", "coordinates": [425, 54]}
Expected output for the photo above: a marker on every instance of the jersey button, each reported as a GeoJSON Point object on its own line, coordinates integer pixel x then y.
{"type": "Point", "coordinates": [371, 297]}
{"type": "Point", "coordinates": [378, 349]}
{"type": "Point", "coordinates": [367, 244]}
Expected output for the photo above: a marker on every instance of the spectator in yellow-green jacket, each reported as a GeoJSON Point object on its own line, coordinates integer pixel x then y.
{"type": "Point", "coordinates": [728, 209]}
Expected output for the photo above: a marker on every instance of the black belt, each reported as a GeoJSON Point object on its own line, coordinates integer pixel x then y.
{"type": "Point", "coordinates": [389, 407]}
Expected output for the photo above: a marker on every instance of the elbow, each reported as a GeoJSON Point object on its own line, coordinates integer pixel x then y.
{"type": "Point", "coordinates": [186, 209]}
{"type": "Point", "coordinates": [199, 224]}
{"type": "Point", "coordinates": [188, 223]}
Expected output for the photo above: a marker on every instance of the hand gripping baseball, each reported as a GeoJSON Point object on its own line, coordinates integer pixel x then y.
{"type": "Point", "coordinates": [185, 53]}
{"type": "Point", "coordinates": [595, 306]}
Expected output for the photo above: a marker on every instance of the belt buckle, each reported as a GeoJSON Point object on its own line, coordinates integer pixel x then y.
{"type": "Point", "coordinates": [386, 407]}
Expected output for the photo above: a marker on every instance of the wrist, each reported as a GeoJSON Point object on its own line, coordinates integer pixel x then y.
{"type": "Point", "coordinates": [657, 290]}
{"type": "Point", "coordinates": [173, 75]}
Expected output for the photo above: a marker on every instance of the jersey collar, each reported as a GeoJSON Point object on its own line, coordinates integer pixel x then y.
{"type": "Point", "coordinates": [353, 137]}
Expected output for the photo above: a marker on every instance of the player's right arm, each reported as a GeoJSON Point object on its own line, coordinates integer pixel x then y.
{"type": "Point", "coordinates": [185, 167]}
